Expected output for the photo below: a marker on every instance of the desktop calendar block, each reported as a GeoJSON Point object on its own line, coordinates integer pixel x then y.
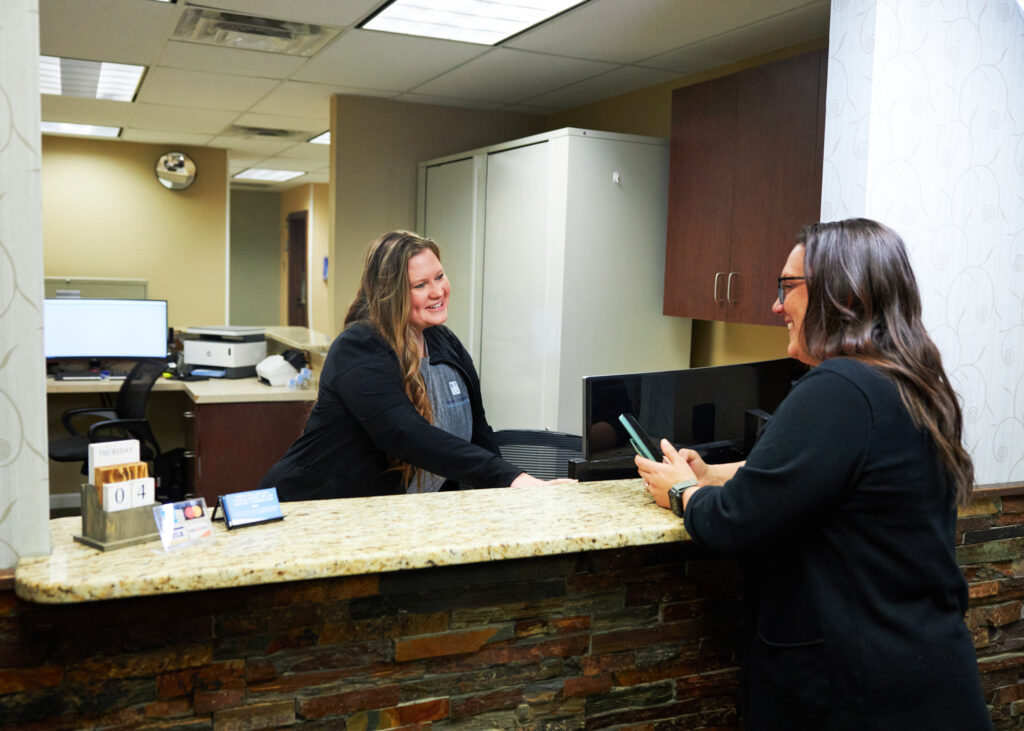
{"type": "Point", "coordinates": [118, 473]}
{"type": "Point", "coordinates": [104, 454]}
{"type": "Point", "coordinates": [108, 530]}
{"type": "Point", "coordinates": [129, 494]}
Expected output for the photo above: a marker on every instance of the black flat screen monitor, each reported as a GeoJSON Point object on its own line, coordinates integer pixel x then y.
{"type": "Point", "coordinates": [104, 329]}
{"type": "Point", "coordinates": [701, 408]}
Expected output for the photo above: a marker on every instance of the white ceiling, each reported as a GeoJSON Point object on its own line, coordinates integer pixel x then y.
{"type": "Point", "coordinates": [192, 94]}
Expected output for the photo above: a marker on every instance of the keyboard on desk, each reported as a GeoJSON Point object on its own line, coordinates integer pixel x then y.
{"type": "Point", "coordinates": [109, 374]}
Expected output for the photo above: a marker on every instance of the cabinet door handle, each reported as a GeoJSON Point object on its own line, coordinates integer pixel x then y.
{"type": "Point", "coordinates": [715, 293]}
{"type": "Point", "coordinates": [728, 288]}
{"type": "Point", "coordinates": [189, 414]}
{"type": "Point", "coordinates": [189, 454]}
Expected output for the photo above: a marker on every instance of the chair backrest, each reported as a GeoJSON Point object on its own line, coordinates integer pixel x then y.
{"type": "Point", "coordinates": [131, 399]}
{"type": "Point", "coordinates": [544, 454]}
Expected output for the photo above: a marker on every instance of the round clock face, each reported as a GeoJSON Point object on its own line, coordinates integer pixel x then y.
{"type": "Point", "coordinates": [175, 170]}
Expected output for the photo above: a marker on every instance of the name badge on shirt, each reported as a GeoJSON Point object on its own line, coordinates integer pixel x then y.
{"type": "Point", "coordinates": [454, 388]}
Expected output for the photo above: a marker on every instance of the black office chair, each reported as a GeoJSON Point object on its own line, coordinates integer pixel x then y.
{"type": "Point", "coordinates": [544, 454]}
{"type": "Point", "coordinates": [127, 420]}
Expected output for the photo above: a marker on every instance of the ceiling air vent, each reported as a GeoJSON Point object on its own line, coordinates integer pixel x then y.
{"type": "Point", "coordinates": [250, 32]}
{"type": "Point", "coordinates": [241, 130]}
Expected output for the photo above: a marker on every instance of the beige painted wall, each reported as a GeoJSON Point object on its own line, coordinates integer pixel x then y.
{"type": "Point", "coordinates": [105, 215]}
{"type": "Point", "coordinates": [319, 232]}
{"type": "Point", "coordinates": [649, 112]}
{"type": "Point", "coordinates": [255, 254]}
{"type": "Point", "coordinates": [375, 147]}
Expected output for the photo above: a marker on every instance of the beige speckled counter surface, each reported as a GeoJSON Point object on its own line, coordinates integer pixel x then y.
{"type": "Point", "coordinates": [212, 391]}
{"type": "Point", "coordinates": [300, 337]}
{"type": "Point", "coordinates": [358, 536]}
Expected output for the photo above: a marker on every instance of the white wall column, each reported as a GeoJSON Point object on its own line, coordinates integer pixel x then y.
{"type": "Point", "coordinates": [925, 133]}
{"type": "Point", "coordinates": [24, 479]}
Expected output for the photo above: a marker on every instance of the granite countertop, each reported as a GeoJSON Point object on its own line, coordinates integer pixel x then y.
{"type": "Point", "coordinates": [243, 390]}
{"type": "Point", "coordinates": [214, 390]}
{"type": "Point", "coordinates": [300, 337]}
{"type": "Point", "coordinates": [328, 538]}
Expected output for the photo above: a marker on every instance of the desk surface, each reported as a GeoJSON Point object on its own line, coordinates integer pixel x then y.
{"type": "Point", "coordinates": [215, 390]}
{"type": "Point", "coordinates": [354, 536]}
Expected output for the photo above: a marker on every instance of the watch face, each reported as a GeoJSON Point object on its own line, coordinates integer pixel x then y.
{"type": "Point", "coordinates": [675, 500]}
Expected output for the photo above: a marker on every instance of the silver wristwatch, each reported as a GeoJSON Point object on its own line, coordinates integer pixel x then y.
{"type": "Point", "coordinates": [675, 495]}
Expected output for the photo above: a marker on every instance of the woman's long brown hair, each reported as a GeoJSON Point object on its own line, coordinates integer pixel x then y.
{"type": "Point", "coordinates": [383, 300]}
{"type": "Point", "coordinates": [863, 302]}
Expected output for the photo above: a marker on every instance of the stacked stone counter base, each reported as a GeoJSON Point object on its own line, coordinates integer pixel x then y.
{"type": "Point", "coordinates": [636, 637]}
{"type": "Point", "coordinates": [578, 608]}
{"type": "Point", "coordinates": [990, 550]}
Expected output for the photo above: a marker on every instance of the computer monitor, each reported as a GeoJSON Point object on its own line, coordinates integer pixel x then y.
{"type": "Point", "coordinates": [705, 409]}
{"type": "Point", "coordinates": [104, 329]}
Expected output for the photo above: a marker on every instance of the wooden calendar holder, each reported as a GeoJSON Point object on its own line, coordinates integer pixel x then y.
{"type": "Point", "coordinates": [120, 529]}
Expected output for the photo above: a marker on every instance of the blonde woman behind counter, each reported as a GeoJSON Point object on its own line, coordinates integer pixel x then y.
{"type": "Point", "coordinates": [399, 408]}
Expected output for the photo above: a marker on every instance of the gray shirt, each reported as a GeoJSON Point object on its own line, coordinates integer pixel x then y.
{"type": "Point", "coordinates": [449, 400]}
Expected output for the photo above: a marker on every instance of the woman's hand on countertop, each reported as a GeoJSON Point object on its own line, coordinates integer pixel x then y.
{"type": "Point", "coordinates": [527, 480]}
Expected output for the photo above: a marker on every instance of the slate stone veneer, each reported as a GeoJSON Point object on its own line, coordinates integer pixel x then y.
{"type": "Point", "coordinates": [634, 638]}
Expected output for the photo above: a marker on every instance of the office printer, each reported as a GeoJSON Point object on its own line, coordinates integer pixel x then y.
{"type": "Point", "coordinates": [235, 350]}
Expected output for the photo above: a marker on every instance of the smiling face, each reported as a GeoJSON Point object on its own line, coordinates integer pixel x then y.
{"type": "Point", "coordinates": [429, 289]}
{"type": "Point", "coordinates": [795, 306]}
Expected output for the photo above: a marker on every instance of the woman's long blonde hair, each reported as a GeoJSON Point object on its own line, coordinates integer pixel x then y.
{"type": "Point", "coordinates": [383, 300]}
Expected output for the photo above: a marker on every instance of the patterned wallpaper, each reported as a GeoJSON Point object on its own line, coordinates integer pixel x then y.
{"type": "Point", "coordinates": [24, 479]}
{"type": "Point", "coordinates": [925, 132]}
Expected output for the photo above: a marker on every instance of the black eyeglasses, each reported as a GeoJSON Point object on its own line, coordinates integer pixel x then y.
{"type": "Point", "coordinates": [783, 287]}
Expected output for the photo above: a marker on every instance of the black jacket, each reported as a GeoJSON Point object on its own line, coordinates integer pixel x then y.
{"type": "Point", "coordinates": [362, 416]}
{"type": "Point", "coordinates": [845, 515]}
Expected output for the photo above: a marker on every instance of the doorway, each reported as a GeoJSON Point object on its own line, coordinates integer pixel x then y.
{"type": "Point", "coordinates": [298, 312]}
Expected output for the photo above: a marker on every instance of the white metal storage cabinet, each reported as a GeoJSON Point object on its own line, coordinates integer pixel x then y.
{"type": "Point", "coordinates": [561, 240]}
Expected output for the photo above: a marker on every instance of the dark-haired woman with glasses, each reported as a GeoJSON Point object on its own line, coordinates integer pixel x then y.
{"type": "Point", "coordinates": [845, 509]}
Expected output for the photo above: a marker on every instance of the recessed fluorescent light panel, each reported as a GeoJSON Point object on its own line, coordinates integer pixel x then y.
{"type": "Point", "coordinates": [85, 130]}
{"type": "Point", "coordinates": [321, 139]}
{"type": "Point", "coordinates": [472, 21]}
{"type": "Point", "coordinates": [89, 79]}
{"type": "Point", "coordinates": [251, 33]}
{"type": "Point", "coordinates": [276, 176]}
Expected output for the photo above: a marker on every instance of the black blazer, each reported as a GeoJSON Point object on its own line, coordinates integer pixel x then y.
{"type": "Point", "coordinates": [362, 416]}
{"type": "Point", "coordinates": [845, 517]}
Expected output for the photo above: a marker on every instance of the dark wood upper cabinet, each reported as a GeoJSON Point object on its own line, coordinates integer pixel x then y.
{"type": "Point", "coordinates": [745, 175]}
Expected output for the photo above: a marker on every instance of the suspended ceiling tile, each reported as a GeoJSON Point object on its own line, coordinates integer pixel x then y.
{"type": "Point", "coordinates": [274, 121]}
{"type": "Point", "coordinates": [180, 118]}
{"type": "Point", "coordinates": [281, 163]}
{"type": "Point", "coordinates": [165, 138]}
{"type": "Point", "coordinates": [780, 31]}
{"type": "Point", "coordinates": [252, 145]}
{"type": "Point", "coordinates": [507, 76]}
{"type": "Point", "coordinates": [237, 162]}
{"type": "Point", "coordinates": [85, 111]}
{"type": "Point", "coordinates": [385, 61]}
{"type": "Point", "coordinates": [201, 57]}
{"type": "Point", "coordinates": [308, 100]}
{"type": "Point", "coordinates": [319, 154]}
{"type": "Point", "coordinates": [446, 101]}
{"type": "Point", "coordinates": [627, 32]}
{"type": "Point", "coordinates": [326, 12]}
{"type": "Point", "coordinates": [613, 83]}
{"type": "Point", "coordinates": [209, 90]}
{"type": "Point", "coordinates": [104, 30]}
{"type": "Point", "coordinates": [534, 109]}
